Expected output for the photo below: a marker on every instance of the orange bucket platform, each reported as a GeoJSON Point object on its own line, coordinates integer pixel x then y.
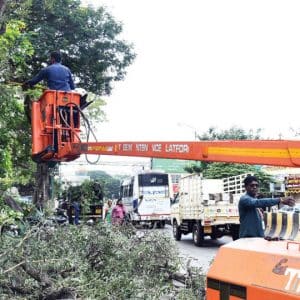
{"type": "Point", "coordinates": [55, 125]}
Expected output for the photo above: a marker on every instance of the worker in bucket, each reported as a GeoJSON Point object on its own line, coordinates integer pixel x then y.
{"type": "Point", "coordinates": [58, 76]}
{"type": "Point", "coordinates": [251, 215]}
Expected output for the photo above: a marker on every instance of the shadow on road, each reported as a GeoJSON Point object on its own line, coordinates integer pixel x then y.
{"type": "Point", "coordinates": [208, 242]}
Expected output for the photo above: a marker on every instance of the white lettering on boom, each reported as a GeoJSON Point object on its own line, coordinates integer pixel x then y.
{"type": "Point", "coordinates": [141, 147]}
{"type": "Point", "coordinates": [177, 148]}
{"type": "Point", "coordinates": [127, 147]}
{"type": "Point", "coordinates": [156, 147]}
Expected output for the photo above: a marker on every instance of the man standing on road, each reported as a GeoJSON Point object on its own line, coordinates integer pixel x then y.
{"type": "Point", "coordinates": [58, 76]}
{"type": "Point", "coordinates": [251, 217]}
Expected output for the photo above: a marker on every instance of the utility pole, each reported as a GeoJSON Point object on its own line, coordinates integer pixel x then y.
{"type": "Point", "coordinates": [196, 135]}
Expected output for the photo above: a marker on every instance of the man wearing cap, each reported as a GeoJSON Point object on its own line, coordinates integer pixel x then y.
{"type": "Point", "coordinates": [251, 216]}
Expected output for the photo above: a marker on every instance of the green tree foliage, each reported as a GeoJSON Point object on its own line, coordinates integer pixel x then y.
{"type": "Point", "coordinates": [87, 37]}
{"type": "Point", "coordinates": [92, 190]}
{"type": "Point", "coordinates": [87, 193]}
{"type": "Point", "coordinates": [101, 186]}
{"type": "Point", "coordinates": [233, 133]}
{"type": "Point", "coordinates": [15, 167]}
{"type": "Point", "coordinates": [222, 170]}
{"type": "Point", "coordinates": [15, 142]}
{"type": "Point", "coordinates": [15, 48]}
{"type": "Point", "coordinates": [110, 185]}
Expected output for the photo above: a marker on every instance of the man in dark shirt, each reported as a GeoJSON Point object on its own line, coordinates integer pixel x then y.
{"type": "Point", "coordinates": [58, 76]}
{"type": "Point", "coordinates": [251, 221]}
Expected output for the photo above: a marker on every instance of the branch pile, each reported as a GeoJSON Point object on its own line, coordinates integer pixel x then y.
{"type": "Point", "coordinates": [99, 262]}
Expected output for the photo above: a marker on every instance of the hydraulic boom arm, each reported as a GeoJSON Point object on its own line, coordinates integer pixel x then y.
{"type": "Point", "coordinates": [280, 153]}
{"type": "Point", "coordinates": [56, 137]}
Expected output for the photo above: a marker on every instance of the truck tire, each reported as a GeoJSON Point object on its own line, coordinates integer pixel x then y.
{"type": "Point", "coordinates": [176, 231]}
{"type": "Point", "coordinates": [162, 224]}
{"type": "Point", "coordinates": [198, 235]}
{"type": "Point", "coordinates": [234, 231]}
{"type": "Point", "coordinates": [213, 237]}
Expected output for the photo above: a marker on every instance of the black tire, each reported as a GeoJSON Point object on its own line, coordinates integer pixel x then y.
{"type": "Point", "coordinates": [213, 237]}
{"type": "Point", "coordinates": [198, 234]}
{"type": "Point", "coordinates": [152, 225]}
{"type": "Point", "coordinates": [176, 231]}
{"type": "Point", "coordinates": [234, 230]}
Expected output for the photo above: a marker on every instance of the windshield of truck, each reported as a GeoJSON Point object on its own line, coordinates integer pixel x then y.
{"type": "Point", "coordinates": [153, 179]}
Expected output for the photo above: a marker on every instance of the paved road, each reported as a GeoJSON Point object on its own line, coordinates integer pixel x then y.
{"type": "Point", "coordinates": [200, 256]}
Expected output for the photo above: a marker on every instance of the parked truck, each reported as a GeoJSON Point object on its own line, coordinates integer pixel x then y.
{"type": "Point", "coordinates": [203, 208]}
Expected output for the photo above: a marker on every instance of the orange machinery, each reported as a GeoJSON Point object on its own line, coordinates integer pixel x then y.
{"type": "Point", "coordinates": [56, 137]}
{"type": "Point", "coordinates": [55, 126]}
{"type": "Point", "coordinates": [256, 269]}
{"type": "Point", "coordinates": [253, 269]}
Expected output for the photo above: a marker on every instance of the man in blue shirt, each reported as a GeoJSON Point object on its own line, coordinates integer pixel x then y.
{"type": "Point", "coordinates": [251, 217]}
{"type": "Point", "coordinates": [58, 76]}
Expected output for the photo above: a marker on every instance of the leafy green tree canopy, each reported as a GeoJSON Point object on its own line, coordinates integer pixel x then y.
{"type": "Point", "coordinates": [233, 133]}
{"type": "Point", "coordinates": [15, 144]}
{"type": "Point", "coordinates": [87, 38]}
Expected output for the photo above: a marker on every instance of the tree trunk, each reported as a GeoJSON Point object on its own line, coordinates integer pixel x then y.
{"type": "Point", "coordinates": [2, 9]}
{"type": "Point", "coordinates": [42, 186]}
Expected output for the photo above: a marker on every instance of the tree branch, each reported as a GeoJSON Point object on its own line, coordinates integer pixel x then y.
{"type": "Point", "coordinates": [42, 278]}
{"type": "Point", "coordinates": [15, 266]}
{"type": "Point", "coordinates": [17, 289]}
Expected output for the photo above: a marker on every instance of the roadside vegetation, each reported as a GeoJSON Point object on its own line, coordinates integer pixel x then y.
{"type": "Point", "coordinates": [94, 262]}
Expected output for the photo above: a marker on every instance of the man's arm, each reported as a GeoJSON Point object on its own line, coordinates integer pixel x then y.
{"type": "Point", "coordinates": [249, 201]}
{"type": "Point", "coordinates": [36, 79]}
{"type": "Point", "coordinates": [290, 201]}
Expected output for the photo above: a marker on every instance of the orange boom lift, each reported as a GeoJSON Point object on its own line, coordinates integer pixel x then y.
{"type": "Point", "coordinates": [253, 269]}
{"type": "Point", "coordinates": [56, 137]}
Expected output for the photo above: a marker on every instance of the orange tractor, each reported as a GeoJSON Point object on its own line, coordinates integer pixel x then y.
{"type": "Point", "coordinates": [254, 269]}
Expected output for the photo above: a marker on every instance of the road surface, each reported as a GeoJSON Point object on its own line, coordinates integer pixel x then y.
{"type": "Point", "coordinates": [199, 256]}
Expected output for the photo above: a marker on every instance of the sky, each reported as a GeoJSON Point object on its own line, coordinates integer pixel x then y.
{"type": "Point", "coordinates": [205, 63]}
